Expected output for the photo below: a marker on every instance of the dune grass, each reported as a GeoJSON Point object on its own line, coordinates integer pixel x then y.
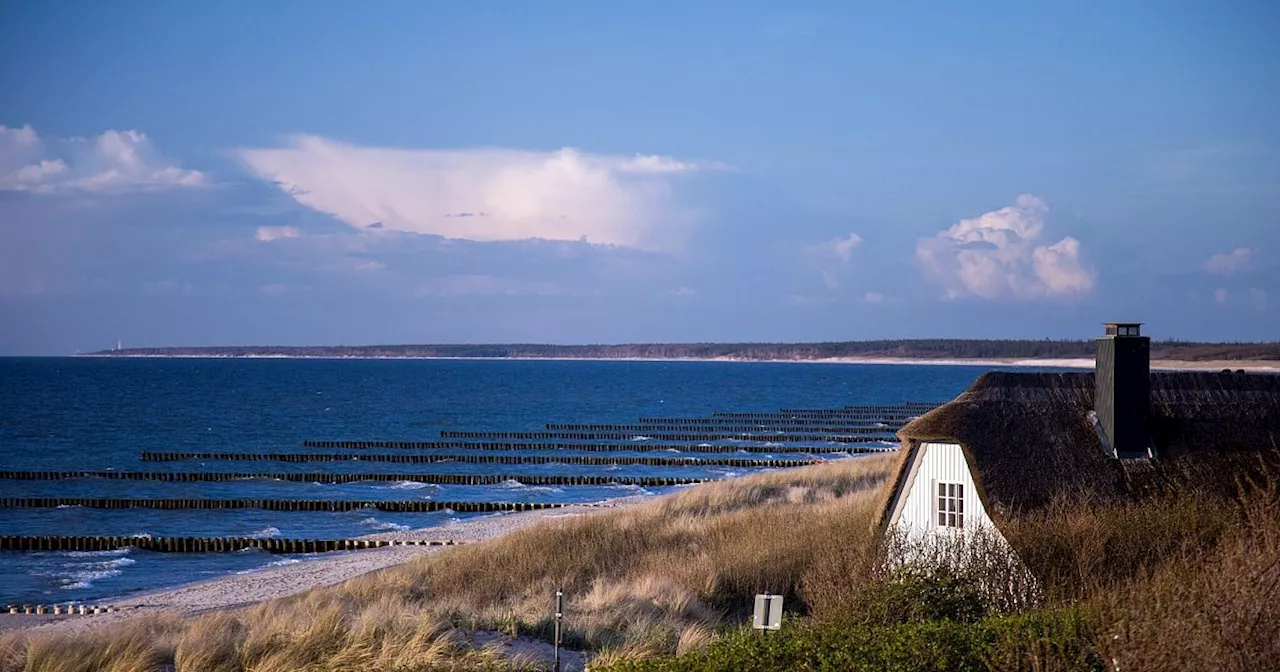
{"type": "Point", "coordinates": [658, 578]}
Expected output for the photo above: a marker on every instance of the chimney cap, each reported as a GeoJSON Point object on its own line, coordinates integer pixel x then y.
{"type": "Point", "coordinates": [1123, 328]}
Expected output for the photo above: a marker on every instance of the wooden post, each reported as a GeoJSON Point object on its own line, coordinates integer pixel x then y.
{"type": "Point", "coordinates": [559, 617]}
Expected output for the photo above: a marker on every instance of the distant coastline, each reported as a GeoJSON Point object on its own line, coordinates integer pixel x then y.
{"type": "Point", "coordinates": [1019, 353]}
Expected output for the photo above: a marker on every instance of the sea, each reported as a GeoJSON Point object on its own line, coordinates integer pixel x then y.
{"type": "Point", "coordinates": [62, 414]}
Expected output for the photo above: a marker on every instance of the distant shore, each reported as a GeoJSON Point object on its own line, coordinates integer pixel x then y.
{"type": "Point", "coordinates": [1250, 365]}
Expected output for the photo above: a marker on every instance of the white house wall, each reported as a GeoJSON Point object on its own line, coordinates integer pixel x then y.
{"type": "Point", "coordinates": [917, 514]}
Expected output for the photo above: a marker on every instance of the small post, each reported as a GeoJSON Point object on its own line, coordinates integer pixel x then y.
{"type": "Point", "coordinates": [559, 617]}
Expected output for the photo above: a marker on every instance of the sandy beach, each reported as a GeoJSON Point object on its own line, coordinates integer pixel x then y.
{"type": "Point", "coordinates": [280, 580]}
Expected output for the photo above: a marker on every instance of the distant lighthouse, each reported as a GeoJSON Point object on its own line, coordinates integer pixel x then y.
{"type": "Point", "coordinates": [119, 345]}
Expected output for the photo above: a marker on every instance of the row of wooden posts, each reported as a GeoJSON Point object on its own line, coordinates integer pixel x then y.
{"type": "Point", "coordinates": [438, 479]}
{"type": "Point", "coordinates": [402, 458]}
{"type": "Point", "coordinates": [403, 506]}
{"type": "Point", "coordinates": [728, 429]}
{"type": "Point", "coordinates": [763, 424]}
{"type": "Point", "coordinates": [204, 544]}
{"type": "Point", "coordinates": [881, 435]}
{"type": "Point", "coordinates": [61, 609]}
{"type": "Point", "coordinates": [585, 447]}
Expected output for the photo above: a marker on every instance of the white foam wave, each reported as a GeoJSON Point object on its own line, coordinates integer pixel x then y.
{"type": "Point", "coordinates": [85, 579]}
{"type": "Point", "coordinates": [631, 487]}
{"type": "Point", "coordinates": [266, 532]}
{"type": "Point", "coordinates": [642, 438]}
{"type": "Point", "coordinates": [69, 506]}
{"type": "Point", "coordinates": [383, 524]}
{"type": "Point", "coordinates": [406, 485]}
{"type": "Point", "coordinates": [101, 566]}
{"type": "Point", "coordinates": [517, 485]}
{"type": "Point", "coordinates": [97, 554]}
{"type": "Point", "coordinates": [274, 563]}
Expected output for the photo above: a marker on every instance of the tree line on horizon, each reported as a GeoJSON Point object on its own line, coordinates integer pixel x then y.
{"type": "Point", "coordinates": [901, 348]}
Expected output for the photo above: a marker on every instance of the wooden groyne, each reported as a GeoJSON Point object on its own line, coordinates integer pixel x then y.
{"type": "Point", "coordinates": [69, 609]}
{"type": "Point", "coordinates": [830, 416]}
{"type": "Point", "coordinates": [647, 446]}
{"type": "Point", "coordinates": [335, 505]}
{"type": "Point", "coordinates": [663, 436]}
{"type": "Point", "coordinates": [437, 479]}
{"type": "Point", "coordinates": [202, 544]}
{"type": "Point", "coordinates": [482, 458]}
{"type": "Point", "coordinates": [715, 429]}
{"type": "Point", "coordinates": [807, 424]}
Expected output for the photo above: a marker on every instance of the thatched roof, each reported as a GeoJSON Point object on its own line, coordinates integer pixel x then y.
{"type": "Point", "coordinates": [1027, 437]}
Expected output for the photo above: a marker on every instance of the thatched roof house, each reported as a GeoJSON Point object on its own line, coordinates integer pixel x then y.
{"type": "Point", "coordinates": [1014, 441]}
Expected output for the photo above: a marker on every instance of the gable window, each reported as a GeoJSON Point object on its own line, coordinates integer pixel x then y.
{"type": "Point", "coordinates": [950, 505]}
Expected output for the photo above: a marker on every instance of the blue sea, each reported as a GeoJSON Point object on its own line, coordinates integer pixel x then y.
{"type": "Point", "coordinates": [96, 414]}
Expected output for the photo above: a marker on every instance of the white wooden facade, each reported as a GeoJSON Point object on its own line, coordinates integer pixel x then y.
{"type": "Point", "coordinates": [916, 512]}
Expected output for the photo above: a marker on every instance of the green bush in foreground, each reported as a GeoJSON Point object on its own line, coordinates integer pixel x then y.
{"type": "Point", "coordinates": [1040, 641]}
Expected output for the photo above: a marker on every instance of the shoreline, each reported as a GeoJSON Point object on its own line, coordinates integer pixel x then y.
{"type": "Point", "coordinates": [247, 588]}
{"type": "Point", "coordinates": [1249, 365]}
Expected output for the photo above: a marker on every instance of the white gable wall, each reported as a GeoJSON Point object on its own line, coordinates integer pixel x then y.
{"type": "Point", "coordinates": [916, 514]}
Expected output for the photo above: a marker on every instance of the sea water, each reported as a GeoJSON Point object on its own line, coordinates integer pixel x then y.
{"type": "Point", "coordinates": [59, 414]}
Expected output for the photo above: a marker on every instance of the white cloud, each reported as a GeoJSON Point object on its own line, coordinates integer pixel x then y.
{"type": "Point", "coordinates": [873, 297]}
{"type": "Point", "coordinates": [830, 256]}
{"type": "Point", "coordinates": [483, 194]}
{"type": "Point", "coordinates": [683, 291]}
{"type": "Point", "coordinates": [1226, 263]}
{"type": "Point", "coordinates": [112, 163]}
{"type": "Point", "coordinates": [273, 289]}
{"type": "Point", "coordinates": [1221, 295]}
{"type": "Point", "coordinates": [270, 233]}
{"type": "Point", "coordinates": [839, 248]}
{"type": "Point", "coordinates": [654, 163]}
{"type": "Point", "coordinates": [997, 256]}
{"type": "Point", "coordinates": [1259, 298]}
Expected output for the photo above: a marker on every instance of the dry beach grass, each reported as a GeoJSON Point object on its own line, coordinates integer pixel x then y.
{"type": "Point", "coordinates": [655, 578]}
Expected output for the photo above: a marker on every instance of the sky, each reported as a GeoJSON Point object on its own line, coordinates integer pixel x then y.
{"type": "Point", "coordinates": [327, 173]}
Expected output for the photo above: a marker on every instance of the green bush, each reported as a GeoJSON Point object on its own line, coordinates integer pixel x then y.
{"type": "Point", "coordinates": [911, 594]}
{"type": "Point", "coordinates": [1042, 641]}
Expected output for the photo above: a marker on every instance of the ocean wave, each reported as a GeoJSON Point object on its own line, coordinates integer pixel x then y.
{"type": "Point", "coordinates": [101, 566]}
{"type": "Point", "coordinates": [68, 506]}
{"type": "Point", "coordinates": [517, 485]}
{"type": "Point", "coordinates": [641, 438]}
{"type": "Point", "coordinates": [274, 563]}
{"type": "Point", "coordinates": [384, 525]}
{"type": "Point", "coordinates": [85, 578]}
{"type": "Point", "coordinates": [631, 487]}
{"type": "Point", "coordinates": [266, 532]}
{"type": "Point", "coordinates": [406, 485]}
{"type": "Point", "coordinates": [97, 554]}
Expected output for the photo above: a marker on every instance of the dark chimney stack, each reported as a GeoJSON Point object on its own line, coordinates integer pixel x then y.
{"type": "Point", "coordinates": [1122, 394]}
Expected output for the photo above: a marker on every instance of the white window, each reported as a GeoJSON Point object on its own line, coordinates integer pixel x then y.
{"type": "Point", "coordinates": [950, 505]}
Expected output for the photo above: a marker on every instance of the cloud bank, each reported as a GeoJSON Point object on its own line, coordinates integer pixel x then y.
{"type": "Point", "coordinates": [112, 163]}
{"type": "Point", "coordinates": [484, 194]}
{"type": "Point", "coordinates": [997, 256]}
{"type": "Point", "coordinates": [1227, 263]}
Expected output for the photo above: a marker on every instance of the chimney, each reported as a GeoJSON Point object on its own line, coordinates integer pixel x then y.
{"type": "Point", "coordinates": [1122, 392]}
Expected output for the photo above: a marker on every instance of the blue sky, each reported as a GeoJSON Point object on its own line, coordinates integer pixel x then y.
{"type": "Point", "coordinates": [325, 173]}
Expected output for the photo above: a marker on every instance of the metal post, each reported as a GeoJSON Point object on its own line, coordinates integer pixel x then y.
{"type": "Point", "coordinates": [559, 617]}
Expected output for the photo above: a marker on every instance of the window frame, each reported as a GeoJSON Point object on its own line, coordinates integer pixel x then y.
{"type": "Point", "coordinates": [948, 505]}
